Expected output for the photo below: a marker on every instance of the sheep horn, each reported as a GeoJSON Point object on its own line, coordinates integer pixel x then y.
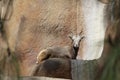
{"type": "Point", "coordinates": [80, 32]}
{"type": "Point", "coordinates": [70, 35]}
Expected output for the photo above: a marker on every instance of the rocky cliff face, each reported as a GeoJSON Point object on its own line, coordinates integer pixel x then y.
{"type": "Point", "coordinates": [37, 24]}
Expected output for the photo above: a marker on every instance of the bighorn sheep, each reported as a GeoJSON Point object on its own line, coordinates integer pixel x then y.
{"type": "Point", "coordinates": [66, 52]}
{"type": "Point", "coordinates": [76, 39]}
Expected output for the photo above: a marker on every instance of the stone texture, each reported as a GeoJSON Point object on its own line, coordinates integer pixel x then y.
{"type": "Point", "coordinates": [37, 24]}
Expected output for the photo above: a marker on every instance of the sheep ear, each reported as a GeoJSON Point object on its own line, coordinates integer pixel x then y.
{"type": "Point", "coordinates": [70, 35]}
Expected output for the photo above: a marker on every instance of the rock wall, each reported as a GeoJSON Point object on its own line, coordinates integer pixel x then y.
{"type": "Point", "coordinates": [37, 24]}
